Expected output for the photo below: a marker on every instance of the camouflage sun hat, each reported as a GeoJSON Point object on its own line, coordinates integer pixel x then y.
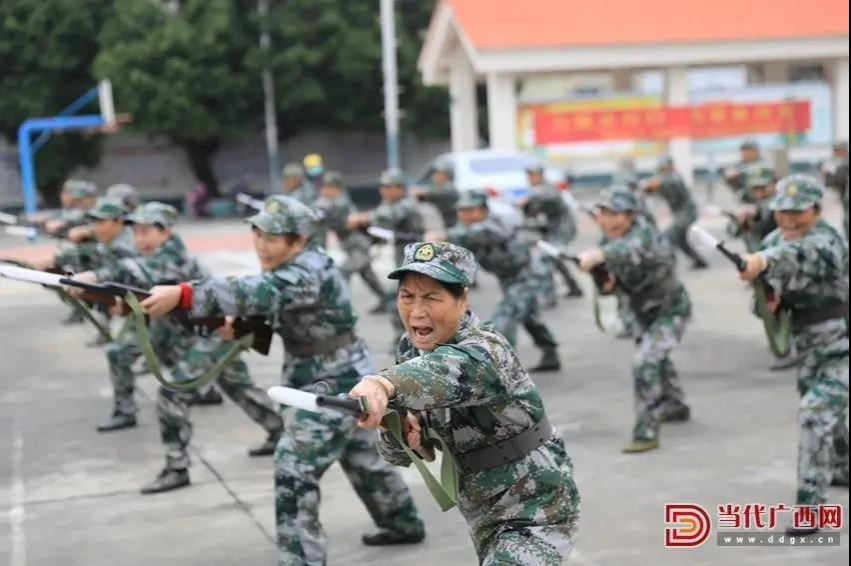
{"type": "Point", "coordinates": [797, 192]}
{"type": "Point", "coordinates": [107, 209]}
{"type": "Point", "coordinates": [313, 164]}
{"type": "Point", "coordinates": [284, 215]}
{"type": "Point", "coordinates": [333, 179]}
{"type": "Point", "coordinates": [392, 178]}
{"type": "Point", "coordinates": [159, 213]}
{"type": "Point", "coordinates": [759, 176]}
{"type": "Point", "coordinates": [80, 189]}
{"type": "Point", "coordinates": [127, 194]}
{"type": "Point", "coordinates": [617, 199]}
{"type": "Point", "coordinates": [439, 260]}
{"type": "Point", "coordinates": [472, 199]}
{"type": "Point", "coordinates": [293, 171]}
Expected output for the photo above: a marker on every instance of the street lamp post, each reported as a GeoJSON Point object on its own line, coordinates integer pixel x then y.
{"type": "Point", "coordinates": [269, 99]}
{"type": "Point", "coordinates": [391, 86]}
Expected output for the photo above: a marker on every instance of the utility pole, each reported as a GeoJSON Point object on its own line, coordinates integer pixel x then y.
{"type": "Point", "coordinates": [269, 99]}
{"type": "Point", "coordinates": [391, 81]}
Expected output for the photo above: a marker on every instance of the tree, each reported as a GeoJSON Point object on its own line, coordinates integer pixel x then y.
{"type": "Point", "coordinates": [327, 66]}
{"type": "Point", "coordinates": [180, 68]}
{"type": "Point", "coordinates": [46, 53]}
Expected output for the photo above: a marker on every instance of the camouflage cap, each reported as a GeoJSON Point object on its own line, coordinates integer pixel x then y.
{"type": "Point", "coordinates": [748, 144]}
{"type": "Point", "coordinates": [333, 179]}
{"type": "Point", "coordinates": [797, 192]}
{"type": "Point", "coordinates": [127, 194]}
{"type": "Point", "coordinates": [444, 167]}
{"type": "Point", "coordinates": [284, 215]}
{"type": "Point", "coordinates": [758, 176]}
{"type": "Point", "coordinates": [80, 189]}
{"type": "Point", "coordinates": [107, 209]}
{"type": "Point", "coordinates": [293, 170]}
{"type": "Point", "coordinates": [439, 260]}
{"type": "Point", "coordinates": [392, 178]}
{"type": "Point", "coordinates": [472, 199]}
{"type": "Point", "coordinates": [159, 213]}
{"type": "Point", "coordinates": [617, 199]}
{"type": "Point", "coordinates": [313, 164]}
{"type": "Point", "coordinates": [840, 146]}
{"type": "Point", "coordinates": [665, 161]}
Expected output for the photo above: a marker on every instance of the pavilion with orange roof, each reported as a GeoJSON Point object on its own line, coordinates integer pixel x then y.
{"type": "Point", "coordinates": [499, 42]}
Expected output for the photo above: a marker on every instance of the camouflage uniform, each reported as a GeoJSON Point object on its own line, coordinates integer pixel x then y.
{"type": "Point", "coordinates": [181, 351]}
{"type": "Point", "coordinates": [307, 303]}
{"type": "Point", "coordinates": [443, 196]}
{"type": "Point", "coordinates": [355, 243]}
{"type": "Point", "coordinates": [306, 192]}
{"type": "Point", "coordinates": [763, 223]}
{"type": "Point", "coordinates": [642, 261]}
{"type": "Point", "coordinates": [548, 214]}
{"type": "Point", "coordinates": [76, 257]}
{"type": "Point", "coordinates": [499, 251]}
{"type": "Point", "coordinates": [673, 190]}
{"type": "Point", "coordinates": [474, 393]}
{"type": "Point", "coordinates": [406, 222]}
{"type": "Point", "coordinates": [811, 276]}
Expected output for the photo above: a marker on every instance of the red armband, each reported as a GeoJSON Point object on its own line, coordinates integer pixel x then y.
{"type": "Point", "coordinates": [185, 296]}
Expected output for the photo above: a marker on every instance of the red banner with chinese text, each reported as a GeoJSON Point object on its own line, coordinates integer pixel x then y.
{"type": "Point", "coordinates": [701, 121]}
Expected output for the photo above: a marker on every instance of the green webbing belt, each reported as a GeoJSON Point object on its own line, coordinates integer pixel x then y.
{"type": "Point", "coordinates": [598, 318]}
{"type": "Point", "coordinates": [778, 330]}
{"type": "Point", "coordinates": [144, 340]}
{"type": "Point", "coordinates": [445, 490]}
{"type": "Point", "coordinates": [80, 307]}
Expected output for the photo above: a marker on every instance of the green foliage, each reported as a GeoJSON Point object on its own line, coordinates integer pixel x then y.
{"type": "Point", "coordinates": [182, 73]}
{"type": "Point", "coordinates": [46, 53]}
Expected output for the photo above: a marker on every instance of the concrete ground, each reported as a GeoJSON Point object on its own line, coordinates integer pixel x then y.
{"type": "Point", "coordinates": [70, 496]}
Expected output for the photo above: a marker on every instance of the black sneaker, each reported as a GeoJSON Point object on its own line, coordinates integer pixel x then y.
{"type": "Point", "coordinates": [168, 480]}
{"type": "Point", "coordinates": [211, 397]}
{"type": "Point", "coordinates": [680, 415]}
{"type": "Point", "coordinates": [575, 293]}
{"type": "Point", "coordinates": [388, 538]}
{"type": "Point", "coordinates": [117, 421]}
{"type": "Point", "coordinates": [265, 449]}
{"type": "Point", "coordinates": [98, 342]}
{"type": "Point", "coordinates": [699, 265]}
{"type": "Point", "coordinates": [549, 362]}
{"type": "Point", "coordinates": [839, 482]}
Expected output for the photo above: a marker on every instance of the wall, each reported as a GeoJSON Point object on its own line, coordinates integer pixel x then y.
{"type": "Point", "coordinates": [160, 170]}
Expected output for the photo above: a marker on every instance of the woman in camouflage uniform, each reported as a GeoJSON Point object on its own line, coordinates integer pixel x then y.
{"type": "Point", "coordinates": [466, 382]}
{"type": "Point", "coordinates": [306, 301]}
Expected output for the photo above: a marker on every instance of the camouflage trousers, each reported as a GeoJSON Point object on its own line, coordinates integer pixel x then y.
{"type": "Point", "coordinates": [823, 386]}
{"type": "Point", "coordinates": [626, 316]}
{"type": "Point", "coordinates": [525, 513]}
{"type": "Point", "coordinates": [358, 261]}
{"type": "Point", "coordinates": [122, 353]}
{"type": "Point", "coordinates": [677, 233]}
{"type": "Point", "coordinates": [519, 304]}
{"type": "Point", "coordinates": [310, 443]}
{"type": "Point", "coordinates": [657, 388]}
{"type": "Point", "coordinates": [76, 258]}
{"type": "Point", "coordinates": [234, 381]}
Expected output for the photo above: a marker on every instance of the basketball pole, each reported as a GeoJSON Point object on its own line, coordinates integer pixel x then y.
{"type": "Point", "coordinates": [66, 120]}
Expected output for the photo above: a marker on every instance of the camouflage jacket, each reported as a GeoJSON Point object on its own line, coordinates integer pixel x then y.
{"type": "Point", "coordinates": [74, 217]}
{"type": "Point", "coordinates": [546, 211]}
{"type": "Point", "coordinates": [760, 227]}
{"type": "Point", "coordinates": [643, 262]}
{"type": "Point", "coordinates": [496, 247]}
{"type": "Point", "coordinates": [335, 213]}
{"type": "Point", "coordinates": [675, 192]}
{"type": "Point", "coordinates": [403, 218]}
{"type": "Point", "coordinates": [120, 248]}
{"type": "Point", "coordinates": [444, 197]}
{"type": "Point", "coordinates": [737, 182]}
{"type": "Point", "coordinates": [305, 301]}
{"type": "Point", "coordinates": [836, 177]}
{"type": "Point", "coordinates": [810, 273]}
{"type": "Point", "coordinates": [170, 264]}
{"type": "Point", "coordinates": [473, 390]}
{"type": "Point", "coordinates": [304, 194]}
